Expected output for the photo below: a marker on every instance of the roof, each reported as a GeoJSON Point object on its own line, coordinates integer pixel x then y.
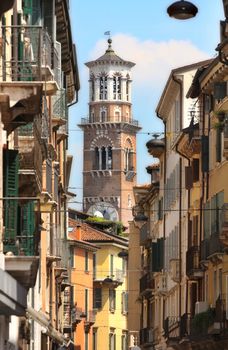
{"type": "Point", "coordinates": [90, 234]}
{"type": "Point", "coordinates": [109, 57]}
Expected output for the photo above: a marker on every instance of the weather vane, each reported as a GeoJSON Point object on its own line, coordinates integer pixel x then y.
{"type": "Point", "coordinates": [108, 33]}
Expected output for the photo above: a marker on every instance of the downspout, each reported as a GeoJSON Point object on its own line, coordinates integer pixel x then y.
{"type": "Point", "coordinates": [179, 82]}
{"type": "Point", "coordinates": [164, 214]}
{"type": "Point", "coordinates": [188, 191]}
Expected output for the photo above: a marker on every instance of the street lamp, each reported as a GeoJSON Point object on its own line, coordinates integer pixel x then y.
{"type": "Point", "coordinates": [182, 10]}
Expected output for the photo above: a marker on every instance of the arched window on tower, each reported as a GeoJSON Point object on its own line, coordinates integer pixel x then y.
{"type": "Point", "coordinates": [127, 89]}
{"type": "Point", "coordinates": [103, 158]}
{"type": "Point", "coordinates": [128, 159]}
{"type": "Point", "coordinates": [109, 157]}
{"type": "Point", "coordinates": [114, 87]}
{"type": "Point", "coordinates": [119, 88]}
{"type": "Point", "coordinates": [92, 90]}
{"type": "Point", "coordinates": [96, 158]}
{"type": "Point", "coordinates": [103, 116]}
{"type": "Point", "coordinates": [103, 88]}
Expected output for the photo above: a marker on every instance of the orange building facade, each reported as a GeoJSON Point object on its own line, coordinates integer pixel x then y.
{"type": "Point", "coordinates": [82, 287]}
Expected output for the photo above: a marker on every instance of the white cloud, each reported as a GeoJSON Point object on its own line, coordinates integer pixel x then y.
{"type": "Point", "coordinates": [154, 60]}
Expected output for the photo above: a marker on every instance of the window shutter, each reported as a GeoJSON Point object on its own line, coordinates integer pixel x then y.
{"type": "Point", "coordinates": [195, 169]}
{"type": "Point", "coordinates": [188, 177]}
{"type": "Point", "coordinates": [27, 7]}
{"type": "Point", "coordinates": [205, 153]}
{"type": "Point", "coordinates": [10, 189]}
{"type": "Point", "coordinates": [220, 90]}
{"type": "Point", "coordinates": [49, 15]}
{"type": "Point", "coordinates": [218, 145]}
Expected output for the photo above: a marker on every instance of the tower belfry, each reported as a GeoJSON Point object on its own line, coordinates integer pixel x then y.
{"type": "Point", "coordinates": [109, 171]}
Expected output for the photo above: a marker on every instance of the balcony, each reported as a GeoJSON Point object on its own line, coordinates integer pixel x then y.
{"type": "Point", "coordinates": [172, 327]}
{"type": "Point", "coordinates": [59, 109]}
{"type": "Point", "coordinates": [110, 119]}
{"type": "Point", "coordinates": [90, 318]}
{"type": "Point", "coordinates": [155, 147]}
{"type": "Point", "coordinates": [146, 336]}
{"type": "Point", "coordinates": [28, 54]}
{"type": "Point", "coordinates": [223, 235]}
{"type": "Point", "coordinates": [30, 146]}
{"type": "Point", "coordinates": [147, 284]}
{"type": "Point", "coordinates": [20, 241]}
{"type": "Point", "coordinates": [113, 281]}
{"type": "Point", "coordinates": [216, 249]}
{"type": "Point", "coordinates": [193, 269]}
{"type": "Point", "coordinates": [145, 234]}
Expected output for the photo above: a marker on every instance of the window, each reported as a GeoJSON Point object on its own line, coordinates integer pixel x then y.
{"type": "Point", "coordinates": [114, 88]}
{"type": "Point", "coordinates": [124, 302]}
{"type": "Point", "coordinates": [195, 169]}
{"type": "Point", "coordinates": [111, 265]}
{"type": "Point", "coordinates": [86, 261]}
{"type": "Point", "coordinates": [103, 88]}
{"type": "Point", "coordinates": [124, 342]}
{"type": "Point", "coordinates": [97, 298]}
{"type": "Point", "coordinates": [86, 341]}
{"type": "Point", "coordinates": [124, 266]}
{"type": "Point", "coordinates": [94, 266]}
{"type": "Point", "coordinates": [127, 89]}
{"type": "Point", "coordinates": [112, 341]}
{"type": "Point", "coordinates": [112, 300]}
{"type": "Point", "coordinates": [72, 257]}
{"type": "Point", "coordinates": [86, 302]}
{"type": "Point", "coordinates": [119, 87]}
{"type": "Point", "coordinates": [94, 338]}
{"type": "Point", "coordinates": [103, 116]}
{"type": "Point", "coordinates": [92, 90]}
{"type": "Point", "coordinates": [128, 159]}
{"type": "Point", "coordinates": [103, 158]}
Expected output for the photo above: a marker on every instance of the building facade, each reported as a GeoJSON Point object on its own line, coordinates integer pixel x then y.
{"type": "Point", "coordinates": [109, 171]}
{"type": "Point", "coordinates": [39, 79]}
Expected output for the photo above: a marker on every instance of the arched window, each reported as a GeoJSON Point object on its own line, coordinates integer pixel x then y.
{"type": "Point", "coordinates": [103, 88]}
{"type": "Point", "coordinates": [128, 159]}
{"type": "Point", "coordinates": [103, 116]}
{"type": "Point", "coordinates": [114, 88]}
{"type": "Point", "coordinates": [103, 158]}
{"type": "Point", "coordinates": [119, 88]}
{"type": "Point", "coordinates": [92, 90]}
{"type": "Point", "coordinates": [127, 89]}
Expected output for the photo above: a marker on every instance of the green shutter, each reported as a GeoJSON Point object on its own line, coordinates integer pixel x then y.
{"type": "Point", "coordinates": [27, 7]}
{"type": "Point", "coordinates": [10, 189]}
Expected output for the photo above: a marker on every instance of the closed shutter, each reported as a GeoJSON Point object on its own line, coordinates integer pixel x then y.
{"type": "Point", "coordinates": [195, 169]}
{"type": "Point", "coordinates": [10, 189]}
{"type": "Point", "coordinates": [188, 177]}
{"type": "Point", "coordinates": [205, 153]}
{"type": "Point", "coordinates": [97, 299]}
{"type": "Point", "coordinates": [48, 15]}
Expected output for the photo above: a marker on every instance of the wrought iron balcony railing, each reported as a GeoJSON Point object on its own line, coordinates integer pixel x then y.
{"type": "Point", "coordinates": [110, 119]}
{"type": "Point", "coordinates": [146, 336]}
{"type": "Point", "coordinates": [28, 54]}
{"type": "Point", "coordinates": [147, 283]}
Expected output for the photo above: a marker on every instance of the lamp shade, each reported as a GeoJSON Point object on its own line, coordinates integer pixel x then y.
{"type": "Point", "coordinates": [182, 10]}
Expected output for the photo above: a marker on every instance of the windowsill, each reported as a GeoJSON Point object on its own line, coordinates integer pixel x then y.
{"type": "Point", "coordinates": [112, 311]}
{"type": "Point", "coordinates": [87, 271]}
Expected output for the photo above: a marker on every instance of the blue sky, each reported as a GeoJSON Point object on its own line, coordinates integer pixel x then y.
{"type": "Point", "coordinates": [142, 32]}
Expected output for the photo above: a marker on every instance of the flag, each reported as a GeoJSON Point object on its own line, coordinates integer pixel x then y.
{"type": "Point", "coordinates": [107, 33]}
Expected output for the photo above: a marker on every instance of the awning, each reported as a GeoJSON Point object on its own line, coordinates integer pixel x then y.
{"type": "Point", "coordinates": [43, 320]}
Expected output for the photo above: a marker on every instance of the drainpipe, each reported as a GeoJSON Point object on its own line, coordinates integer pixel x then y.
{"type": "Point", "coordinates": [180, 83]}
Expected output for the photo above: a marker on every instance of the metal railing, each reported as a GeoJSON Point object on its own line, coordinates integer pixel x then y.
{"type": "Point", "coordinates": [146, 283]}
{"type": "Point", "coordinates": [192, 259]}
{"type": "Point", "coordinates": [146, 336]}
{"type": "Point", "coordinates": [144, 233]}
{"type": "Point", "coordinates": [26, 50]}
{"type": "Point", "coordinates": [224, 216]}
{"type": "Point", "coordinates": [110, 119]}
{"type": "Point", "coordinates": [59, 105]}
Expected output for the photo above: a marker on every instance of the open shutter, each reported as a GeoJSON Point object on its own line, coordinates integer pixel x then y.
{"type": "Point", "coordinates": [27, 7]}
{"type": "Point", "coordinates": [48, 16]}
{"type": "Point", "coordinates": [10, 185]}
{"type": "Point", "coordinates": [28, 228]}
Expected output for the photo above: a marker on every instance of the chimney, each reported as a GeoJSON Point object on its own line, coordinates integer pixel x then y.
{"type": "Point", "coordinates": [78, 232]}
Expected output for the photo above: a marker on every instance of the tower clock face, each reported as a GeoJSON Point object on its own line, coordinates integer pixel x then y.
{"type": "Point", "coordinates": [104, 210]}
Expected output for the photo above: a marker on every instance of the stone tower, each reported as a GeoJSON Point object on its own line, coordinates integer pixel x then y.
{"type": "Point", "coordinates": [109, 172]}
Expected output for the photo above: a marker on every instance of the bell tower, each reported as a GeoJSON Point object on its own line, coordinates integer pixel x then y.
{"type": "Point", "coordinates": [109, 171]}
